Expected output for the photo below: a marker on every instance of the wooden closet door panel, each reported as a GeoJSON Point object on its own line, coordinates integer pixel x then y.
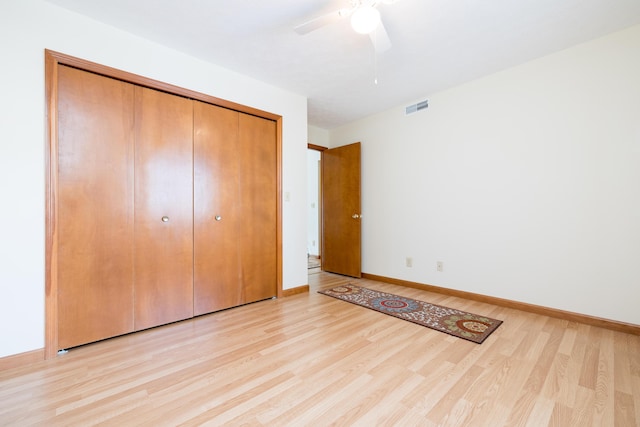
{"type": "Point", "coordinates": [216, 263]}
{"type": "Point", "coordinates": [258, 190]}
{"type": "Point", "coordinates": [163, 189]}
{"type": "Point", "coordinates": [95, 207]}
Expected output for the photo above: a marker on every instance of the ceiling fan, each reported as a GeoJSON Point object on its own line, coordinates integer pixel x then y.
{"type": "Point", "coordinates": [365, 19]}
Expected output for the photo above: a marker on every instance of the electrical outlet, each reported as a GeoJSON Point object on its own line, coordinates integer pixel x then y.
{"type": "Point", "coordinates": [440, 266]}
{"type": "Point", "coordinates": [409, 262]}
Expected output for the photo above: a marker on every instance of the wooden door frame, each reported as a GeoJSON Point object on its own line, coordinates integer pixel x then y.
{"type": "Point", "coordinates": [52, 61]}
{"type": "Point", "coordinates": [321, 149]}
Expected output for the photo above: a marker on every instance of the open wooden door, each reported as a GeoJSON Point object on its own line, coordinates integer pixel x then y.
{"type": "Point", "coordinates": [341, 246]}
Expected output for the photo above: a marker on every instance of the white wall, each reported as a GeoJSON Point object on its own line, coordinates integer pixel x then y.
{"type": "Point", "coordinates": [318, 136]}
{"type": "Point", "coordinates": [27, 27]}
{"type": "Point", "coordinates": [525, 184]}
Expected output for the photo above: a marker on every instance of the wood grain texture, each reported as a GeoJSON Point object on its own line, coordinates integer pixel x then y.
{"type": "Point", "coordinates": [53, 62]}
{"type": "Point", "coordinates": [95, 207]}
{"type": "Point", "coordinates": [137, 79]}
{"type": "Point", "coordinates": [50, 207]}
{"type": "Point", "coordinates": [341, 233]}
{"type": "Point", "coordinates": [257, 192]}
{"type": "Point", "coordinates": [532, 308]}
{"type": "Point", "coordinates": [217, 270]}
{"type": "Point", "coordinates": [313, 360]}
{"type": "Point", "coordinates": [163, 188]}
{"type": "Point", "coordinates": [316, 147]}
{"type": "Point", "coordinates": [21, 359]}
{"type": "Point", "coordinates": [295, 291]}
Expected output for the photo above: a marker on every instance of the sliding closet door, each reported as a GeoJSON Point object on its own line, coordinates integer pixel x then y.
{"type": "Point", "coordinates": [95, 207]}
{"type": "Point", "coordinates": [216, 215]}
{"type": "Point", "coordinates": [163, 208]}
{"type": "Point", "coordinates": [258, 190]}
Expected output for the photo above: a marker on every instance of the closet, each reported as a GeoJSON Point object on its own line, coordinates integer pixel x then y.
{"type": "Point", "coordinates": [167, 207]}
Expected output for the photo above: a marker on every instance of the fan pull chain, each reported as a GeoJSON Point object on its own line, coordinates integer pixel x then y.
{"type": "Point", "coordinates": [375, 68]}
{"type": "Point", "coordinates": [375, 57]}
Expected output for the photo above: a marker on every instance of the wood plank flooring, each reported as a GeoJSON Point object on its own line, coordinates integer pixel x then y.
{"type": "Point", "coordinates": [312, 360]}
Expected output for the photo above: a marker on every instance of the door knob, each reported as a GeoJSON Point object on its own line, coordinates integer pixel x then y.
{"type": "Point", "coordinates": [355, 216]}
{"type": "Point", "coordinates": [165, 219]}
{"type": "Point", "coordinates": [218, 217]}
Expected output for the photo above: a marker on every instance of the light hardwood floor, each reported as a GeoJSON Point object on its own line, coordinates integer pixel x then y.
{"type": "Point", "coordinates": [312, 360]}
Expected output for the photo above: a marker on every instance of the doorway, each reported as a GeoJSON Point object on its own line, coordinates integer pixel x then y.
{"type": "Point", "coordinates": [334, 218]}
{"type": "Point", "coordinates": [314, 197]}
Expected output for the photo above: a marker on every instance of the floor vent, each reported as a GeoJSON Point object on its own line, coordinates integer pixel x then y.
{"type": "Point", "coordinates": [416, 107]}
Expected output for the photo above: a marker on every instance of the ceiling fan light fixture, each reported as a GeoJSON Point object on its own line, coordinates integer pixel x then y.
{"type": "Point", "coordinates": [365, 19]}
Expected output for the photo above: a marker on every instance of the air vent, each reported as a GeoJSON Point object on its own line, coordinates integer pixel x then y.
{"type": "Point", "coordinates": [416, 107]}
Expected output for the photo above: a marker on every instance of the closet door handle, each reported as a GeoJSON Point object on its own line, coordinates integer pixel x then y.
{"type": "Point", "coordinates": [218, 217]}
{"type": "Point", "coordinates": [165, 219]}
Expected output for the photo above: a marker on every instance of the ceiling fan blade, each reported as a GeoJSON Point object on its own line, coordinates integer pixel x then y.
{"type": "Point", "coordinates": [380, 39]}
{"type": "Point", "coordinates": [320, 21]}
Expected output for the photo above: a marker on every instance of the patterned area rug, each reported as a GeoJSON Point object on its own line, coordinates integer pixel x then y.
{"type": "Point", "coordinates": [454, 322]}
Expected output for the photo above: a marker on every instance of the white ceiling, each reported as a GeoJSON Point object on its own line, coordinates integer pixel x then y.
{"type": "Point", "coordinates": [437, 44]}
